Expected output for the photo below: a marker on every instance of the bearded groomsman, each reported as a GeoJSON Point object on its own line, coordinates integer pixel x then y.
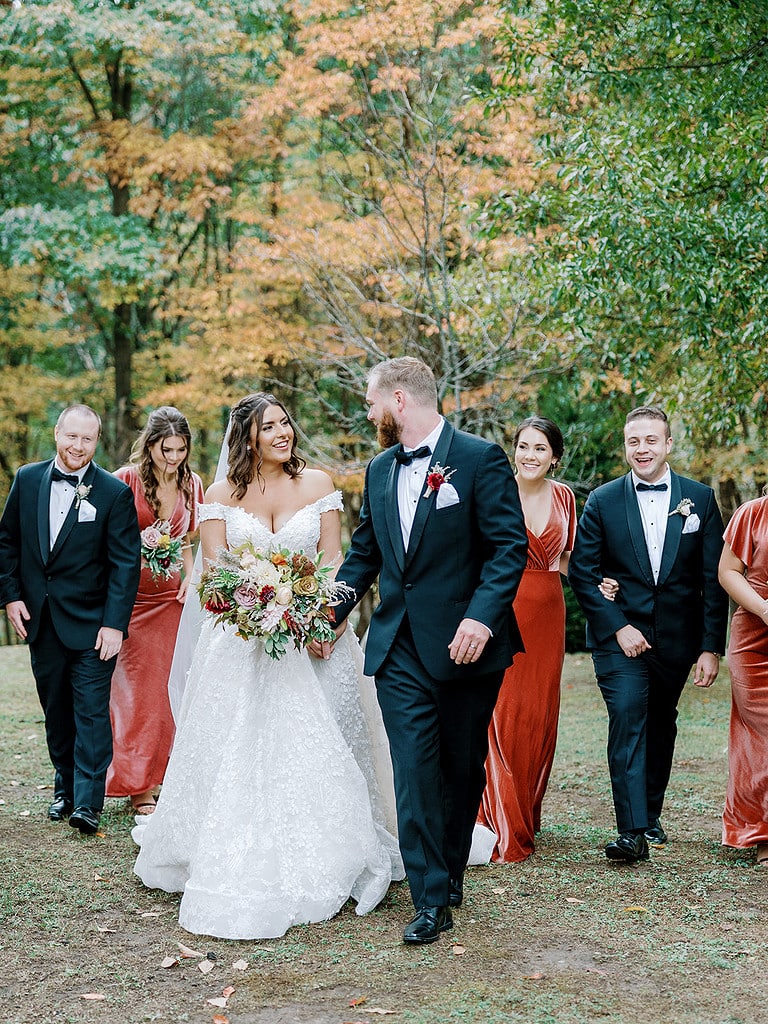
{"type": "Point", "coordinates": [69, 570]}
{"type": "Point", "coordinates": [659, 536]}
{"type": "Point", "coordinates": [442, 528]}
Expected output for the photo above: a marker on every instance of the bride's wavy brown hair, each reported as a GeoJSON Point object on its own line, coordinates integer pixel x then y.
{"type": "Point", "coordinates": [243, 467]}
{"type": "Point", "coordinates": [164, 422]}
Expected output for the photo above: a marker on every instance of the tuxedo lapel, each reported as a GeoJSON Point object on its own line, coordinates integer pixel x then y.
{"type": "Point", "coordinates": [674, 530]}
{"type": "Point", "coordinates": [43, 514]}
{"type": "Point", "coordinates": [392, 513]}
{"type": "Point", "coordinates": [426, 505]}
{"type": "Point", "coordinates": [636, 532]}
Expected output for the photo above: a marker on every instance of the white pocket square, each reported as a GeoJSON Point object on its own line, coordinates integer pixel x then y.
{"type": "Point", "coordinates": [86, 513]}
{"type": "Point", "coordinates": [447, 495]}
{"type": "Point", "coordinates": [692, 523]}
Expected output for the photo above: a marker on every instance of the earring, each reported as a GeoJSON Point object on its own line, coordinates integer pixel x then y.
{"type": "Point", "coordinates": [248, 449]}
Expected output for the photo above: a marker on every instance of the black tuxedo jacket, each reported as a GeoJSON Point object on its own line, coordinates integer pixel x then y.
{"type": "Point", "coordinates": [682, 614]}
{"type": "Point", "coordinates": [463, 561]}
{"type": "Point", "coordinates": [91, 576]}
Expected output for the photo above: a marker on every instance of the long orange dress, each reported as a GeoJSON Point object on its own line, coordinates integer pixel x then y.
{"type": "Point", "coordinates": [142, 724]}
{"type": "Point", "coordinates": [745, 817]}
{"type": "Point", "coordinates": [523, 731]}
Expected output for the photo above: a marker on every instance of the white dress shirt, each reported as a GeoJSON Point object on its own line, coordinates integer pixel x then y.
{"type": "Point", "coordinates": [62, 496]}
{"type": "Point", "coordinates": [654, 512]}
{"type": "Point", "coordinates": [411, 481]}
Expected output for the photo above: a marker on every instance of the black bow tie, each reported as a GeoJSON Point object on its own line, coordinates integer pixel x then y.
{"type": "Point", "coordinates": [70, 478]}
{"type": "Point", "coordinates": [651, 487]}
{"type": "Point", "coordinates": [406, 458]}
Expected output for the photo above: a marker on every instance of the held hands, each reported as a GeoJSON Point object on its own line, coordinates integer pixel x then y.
{"type": "Point", "coordinates": [608, 587]}
{"type": "Point", "coordinates": [17, 615]}
{"type": "Point", "coordinates": [324, 649]}
{"type": "Point", "coordinates": [631, 641]}
{"type": "Point", "coordinates": [469, 642]}
{"type": "Point", "coordinates": [706, 669]}
{"type": "Point", "coordinates": [108, 643]}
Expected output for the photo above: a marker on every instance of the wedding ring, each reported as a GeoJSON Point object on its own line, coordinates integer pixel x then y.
{"type": "Point", "coordinates": [472, 646]}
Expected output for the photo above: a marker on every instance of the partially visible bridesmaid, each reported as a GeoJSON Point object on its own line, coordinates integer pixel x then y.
{"type": "Point", "coordinates": [743, 575]}
{"type": "Point", "coordinates": [164, 490]}
{"type": "Point", "coordinates": [523, 732]}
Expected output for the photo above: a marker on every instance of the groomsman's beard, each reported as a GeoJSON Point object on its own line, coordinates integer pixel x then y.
{"type": "Point", "coordinates": [388, 430]}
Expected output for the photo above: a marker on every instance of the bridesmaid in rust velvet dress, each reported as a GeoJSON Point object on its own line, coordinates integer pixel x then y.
{"type": "Point", "coordinates": [523, 731]}
{"type": "Point", "coordinates": [744, 575]}
{"type": "Point", "coordinates": [166, 490]}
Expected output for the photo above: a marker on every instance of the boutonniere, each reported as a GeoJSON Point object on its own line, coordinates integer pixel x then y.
{"type": "Point", "coordinates": [684, 509]}
{"type": "Point", "coordinates": [436, 477]}
{"type": "Point", "coordinates": [81, 493]}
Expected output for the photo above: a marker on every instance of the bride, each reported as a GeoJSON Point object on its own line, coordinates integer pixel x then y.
{"type": "Point", "coordinates": [275, 808]}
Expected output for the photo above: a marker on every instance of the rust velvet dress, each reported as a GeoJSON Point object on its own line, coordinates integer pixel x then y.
{"type": "Point", "coordinates": [142, 724]}
{"type": "Point", "coordinates": [523, 732]}
{"type": "Point", "coordinates": [745, 818]}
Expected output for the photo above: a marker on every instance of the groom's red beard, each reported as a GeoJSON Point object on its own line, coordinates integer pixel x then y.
{"type": "Point", "coordinates": [388, 430]}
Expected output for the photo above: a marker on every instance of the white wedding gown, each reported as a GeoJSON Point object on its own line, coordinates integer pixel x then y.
{"type": "Point", "coordinates": [277, 803]}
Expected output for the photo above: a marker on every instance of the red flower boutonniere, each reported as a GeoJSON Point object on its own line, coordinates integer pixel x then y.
{"type": "Point", "coordinates": [436, 477]}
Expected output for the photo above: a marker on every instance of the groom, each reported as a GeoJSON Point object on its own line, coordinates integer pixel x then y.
{"type": "Point", "coordinates": [69, 571]}
{"type": "Point", "coordinates": [442, 528]}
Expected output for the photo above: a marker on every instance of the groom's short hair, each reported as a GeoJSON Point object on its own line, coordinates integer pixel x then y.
{"type": "Point", "coordinates": [79, 410]}
{"type": "Point", "coordinates": [409, 374]}
{"type": "Point", "coordinates": [648, 412]}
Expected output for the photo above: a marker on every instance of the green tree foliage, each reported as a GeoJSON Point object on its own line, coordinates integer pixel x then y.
{"type": "Point", "coordinates": [653, 221]}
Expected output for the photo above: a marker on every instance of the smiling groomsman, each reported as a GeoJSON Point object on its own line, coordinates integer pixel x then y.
{"type": "Point", "coordinates": [442, 528]}
{"type": "Point", "coordinates": [69, 570]}
{"type": "Point", "coordinates": [659, 535]}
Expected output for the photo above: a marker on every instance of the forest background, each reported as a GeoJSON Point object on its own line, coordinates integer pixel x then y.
{"type": "Point", "coordinates": [560, 206]}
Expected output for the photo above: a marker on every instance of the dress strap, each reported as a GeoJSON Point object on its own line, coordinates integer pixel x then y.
{"type": "Point", "coordinates": [330, 502]}
{"type": "Point", "coordinates": [212, 510]}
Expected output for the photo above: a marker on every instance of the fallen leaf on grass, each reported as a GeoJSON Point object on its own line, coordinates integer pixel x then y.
{"type": "Point", "coordinates": [92, 995]}
{"type": "Point", "coordinates": [47, 785]}
{"type": "Point", "coordinates": [150, 913]}
{"type": "Point", "coordinates": [219, 1018]}
{"type": "Point", "coordinates": [458, 950]}
{"type": "Point", "coordinates": [534, 977]}
{"type": "Point", "coordinates": [100, 878]}
{"type": "Point", "coordinates": [240, 965]}
{"type": "Point", "coordinates": [107, 931]}
{"type": "Point", "coordinates": [170, 961]}
{"type": "Point", "coordinates": [378, 1009]}
{"type": "Point", "coordinates": [205, 966]}
{"type": "Point", "coordinates": [190, 954]}
{"type": "Point", "coordinates": [572, 899]}
{"type": "Point", "coordinates": [24, 814]}
{"type": "Point", "coordinates": [636, 909]}
{"type": "Point", "coordinates": [223, 999]}
{"type": "Point", "coordinates": [500, 891]}
{"type": "Point", "coordinates": [100, 835]}
{"type": "Point", "coordinates": [359, 1001]}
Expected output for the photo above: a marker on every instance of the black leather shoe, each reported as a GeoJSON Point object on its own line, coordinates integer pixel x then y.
{"type": "Point", "coordinates": [60, 808]}
{"type": "Point", "coordinates": [455, 892]}
{"type": "Point", "coordinates": [655, 834]}
{"type": "Point", "coordinates": [86, 819]}
{"type": "Point", "coordinates": [628, 847]}
{"type": "Point", "coordinates": [426, 926]}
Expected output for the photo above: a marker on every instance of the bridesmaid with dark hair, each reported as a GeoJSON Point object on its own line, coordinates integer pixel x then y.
{"type": "Point", "coordinates": [166, 493]}
{"type": "Point", "coordinates": [523, 732]}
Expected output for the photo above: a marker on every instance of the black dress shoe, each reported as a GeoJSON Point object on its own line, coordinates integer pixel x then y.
{"type": "Point", "coordinates": [455, 892]}
{"type": "Point", "coordinates": [60, 808]}
{"type": "Point", "coordinates": [655, 834]}
{"type": "Point", "coordinates": [86, 819]}
{"type": "Point", "coordinates": [628, 847]}
{"type": "Point", "coordinates": [427, 924]}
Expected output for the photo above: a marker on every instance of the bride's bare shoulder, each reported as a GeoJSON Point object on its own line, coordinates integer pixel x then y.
{"type": "Point", "coordinates": [220, 491]}
{"type": "Point", "coordinates": [316, 483]}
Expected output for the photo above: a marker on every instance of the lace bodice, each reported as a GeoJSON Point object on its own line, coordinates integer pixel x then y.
{"type": "Point", "coordinates": [300, 533]}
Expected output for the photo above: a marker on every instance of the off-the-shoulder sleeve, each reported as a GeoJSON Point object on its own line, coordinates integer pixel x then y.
{"type": "Point", "coordinates": [740, 532]}
{"type": "Point", "coordinates": [331, 502]}
{"type": "Point", "coordinates": [213, 510]}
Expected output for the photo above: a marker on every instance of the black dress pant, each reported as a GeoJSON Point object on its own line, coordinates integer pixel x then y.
{"type": "Point", "coordinates": [73, 687]}
{"type": "Point", "coordinates": [438, 738]}
{"type": "Point", "coordinates": [641, 695]}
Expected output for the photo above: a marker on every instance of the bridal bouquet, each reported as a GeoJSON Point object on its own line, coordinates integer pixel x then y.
{"type": "Point", "coordinates": [279, 597]}
{"type": "Point", "coordinates": [161, 552]}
